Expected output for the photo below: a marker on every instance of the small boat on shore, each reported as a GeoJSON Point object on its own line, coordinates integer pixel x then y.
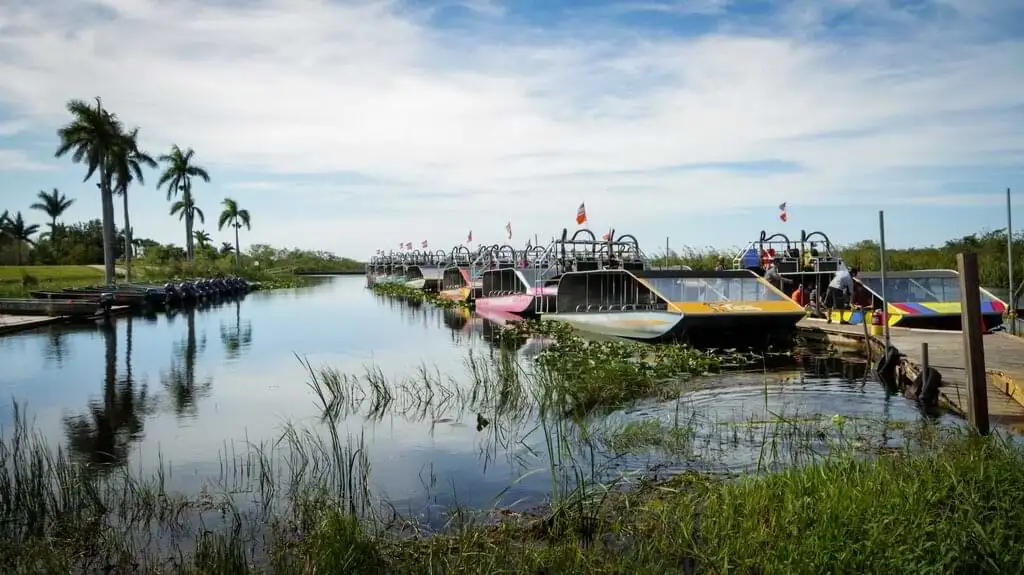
{"type": "Point", "coordinates": [54, 308]}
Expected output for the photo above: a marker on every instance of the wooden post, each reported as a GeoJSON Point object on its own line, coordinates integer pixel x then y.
{"type": "Point", "coordinates": [974, 347]}
{"type": "Point", "coordinates": [924, 360]}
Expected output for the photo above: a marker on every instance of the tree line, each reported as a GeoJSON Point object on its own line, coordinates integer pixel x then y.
{"type": "Point", "coordinates": [110, 152]}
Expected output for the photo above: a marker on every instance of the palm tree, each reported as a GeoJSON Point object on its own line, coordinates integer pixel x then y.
{"type": "Point", "coordinates": [90, 137]}
{"type": "Point", "coordinates": [236, 218]}
{"type": "Point", "coordinates": [226, 248]}
{"type": "Point", "coordinates": [126, 166]}
{"type": "Point", "coordinates": [202, 238]}
{"type": "Point", "coordinates": [177, 177]}
{"type": "Point", "coordinates": [53, 204]}
{"type": "Point", "coordinates": [187, 210]}
{"type": "Point", "coordinates": [21, 232]}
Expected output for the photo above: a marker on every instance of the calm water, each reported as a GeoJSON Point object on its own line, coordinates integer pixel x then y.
{"type": "Point", "coordinates": [193, 386]}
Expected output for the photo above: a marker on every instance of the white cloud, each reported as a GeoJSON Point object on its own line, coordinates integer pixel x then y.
{"type": "Point", "coordinates": [19, 160]}
{"type": "Point", "coordinates": [519, 122]}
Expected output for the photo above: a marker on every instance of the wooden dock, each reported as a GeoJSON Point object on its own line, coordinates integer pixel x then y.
{"type": "Point", "coordinates": [1004, 363]}
{"type": "Point", "coordinates": [17, 323]}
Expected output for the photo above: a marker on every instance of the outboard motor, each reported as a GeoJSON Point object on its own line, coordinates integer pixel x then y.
{"type": "Point", "coordinates": [170, 293]}
{"type": "Point", "coordinates": [106, 302]}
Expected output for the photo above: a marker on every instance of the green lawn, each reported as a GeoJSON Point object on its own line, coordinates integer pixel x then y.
{"type": "Point", "coordinates": [14, 274]}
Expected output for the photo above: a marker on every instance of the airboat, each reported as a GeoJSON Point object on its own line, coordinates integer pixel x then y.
{"type": "Point", "coordinates": [423, 269]}
{"type": "Point", "coordinates": [608, 288]}
{"type": "Point", "coordinates": [512, 282]}
{"type": "Point", "coordinates": [460, 280]}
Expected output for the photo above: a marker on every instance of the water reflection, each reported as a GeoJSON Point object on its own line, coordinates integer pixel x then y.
{"type": "Point", "coordinates": [180, 382]}
{"type": "Point", "coordinates": [238, 337]}
{"type": "Point", "coordinates": [104, 434]}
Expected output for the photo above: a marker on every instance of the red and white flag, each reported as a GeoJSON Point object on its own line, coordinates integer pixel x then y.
{"type": "Point", "coordinates": [508, 228]}
{"type": "Point", "coordinates": [469, 238]}
{"type": "Point", "coordinates": [581, 214]}
{"type": "Point", "coordinates": [423, 243]}
{"type": "Point", "coordinates": [783, 214]}
{"type": "Point", "coordinates": [607, 236]}
{"type": "Point", "coordinates": [408, 245]}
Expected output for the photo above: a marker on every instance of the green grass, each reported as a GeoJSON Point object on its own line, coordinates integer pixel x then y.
{"type": "Point", "coordinates": [15, 274]}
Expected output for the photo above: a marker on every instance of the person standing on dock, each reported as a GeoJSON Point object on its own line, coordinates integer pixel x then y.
{"type": "Point", "coordinates": [839, 289]}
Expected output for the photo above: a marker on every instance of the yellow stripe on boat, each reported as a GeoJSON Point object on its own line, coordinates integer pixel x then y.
{"type": "Point", "coordinates": [736, 307]}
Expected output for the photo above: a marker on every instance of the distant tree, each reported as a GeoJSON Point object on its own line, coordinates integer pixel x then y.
{"type": "Point", "coordinates": [177, 176]}
{"type": "Point", "coordinates": [236, 218]}
{"type": "Point", "coordinates": [186, 209]}
{"type": "Point", "coordinates": [53, 204]}
{"type": "Point", "coordinates": [21, 232]}
{"type": "Point", "coordinates": [226, 248]}
{"type": "Point", "coordinates": [202, 238]}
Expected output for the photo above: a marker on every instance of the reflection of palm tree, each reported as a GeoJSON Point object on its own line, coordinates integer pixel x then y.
{"type": "Point", "coordinates": [180, 379]}
{"type": "Point", "coordinates": [56, 345]}
{"type": "Point", "coordinates": [238, 338]}
{"type": "Point", "coordinates": [103, 436]}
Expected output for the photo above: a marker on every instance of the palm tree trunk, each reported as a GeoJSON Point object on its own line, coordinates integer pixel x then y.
{"type": "Point", "coordinates": [238, 261]}
{"type": "Point", "coordinates": [109, 239]}
{"type": "Point", "coordinates": [189, 248]}
{"type": "Point", "coordinates": [127, 238]}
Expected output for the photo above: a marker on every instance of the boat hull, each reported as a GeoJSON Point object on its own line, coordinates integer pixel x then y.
{"type": "Point", "coordinates": [416, 283]}
{"type": "Point", "coordinates": [456, 294]}
{"type": "Point", "coordinates": [519, 304]}
{"type": "Point", "coordinates": [642, 325]}
{"type": "Point", "coordinates": [26, 306]}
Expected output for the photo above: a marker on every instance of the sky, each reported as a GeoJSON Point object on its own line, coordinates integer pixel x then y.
{"type": "Point", "coordinates": [354, 125]}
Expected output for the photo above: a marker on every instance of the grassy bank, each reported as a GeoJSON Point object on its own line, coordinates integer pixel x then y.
{"type": "Point", "coordinates": [18, 281]}
{"type": "Point", "coordinates": [944, 503]}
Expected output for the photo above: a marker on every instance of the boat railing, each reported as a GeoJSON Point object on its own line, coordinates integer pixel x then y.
{"type": "Point", "coordinates": [813, 253]}
{"type": "Point", "coordinates": [583, 251]}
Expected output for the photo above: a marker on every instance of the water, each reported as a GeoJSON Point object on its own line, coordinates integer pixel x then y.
{"type": "Point", "coordinates": [192, 388]}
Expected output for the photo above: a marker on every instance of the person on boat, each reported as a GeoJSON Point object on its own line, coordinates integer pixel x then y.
{"type": "Point", "coordinates": [721, 265]}
{"type": "Point", "coordinates": [800, 296]}
{"type": "Point", "coordinates": [775, 278]}
{"type": "Point", "coordinates": [840, 288]}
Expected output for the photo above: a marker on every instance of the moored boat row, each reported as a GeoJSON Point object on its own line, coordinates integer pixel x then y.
{"type": "Point", "coordinates": [605, 286]}
{"type": "Point", "coordinates": [138, 295]}
{"type": "Point", "coordinates": [608, 286]}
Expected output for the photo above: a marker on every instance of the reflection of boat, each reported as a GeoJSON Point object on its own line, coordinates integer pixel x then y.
{"type": "Point", "coordinates": [923, 299]}
{"type": "Point", "coordinates": [457, 319]}
{"type": "Point", "coordinates": [702, 307]}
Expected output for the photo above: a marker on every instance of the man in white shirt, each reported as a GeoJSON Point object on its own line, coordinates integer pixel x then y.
{"type": "Point", "coordinates": [840, 288]}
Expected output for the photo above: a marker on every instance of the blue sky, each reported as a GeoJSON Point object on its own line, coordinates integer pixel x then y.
{"type": "Point", "coordinates": [349, 126]}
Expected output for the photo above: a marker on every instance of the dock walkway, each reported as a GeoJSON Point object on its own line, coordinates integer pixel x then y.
{"type": "Point", "coordinates": [1004, 363]}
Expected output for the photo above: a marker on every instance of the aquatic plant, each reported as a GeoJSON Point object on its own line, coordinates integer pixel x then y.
{"type": "Point", "coordinates": [409, 294]}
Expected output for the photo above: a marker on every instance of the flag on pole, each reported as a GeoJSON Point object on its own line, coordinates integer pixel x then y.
{"type": "Point", "coordinates": [469, 238]}
{"type": "Point", "coordinates": [581, 214]}
{"type": "Point", "coordinates": [783, 215]}
{"type": "Point", "coordinates": [408, 245]}
{"type": "Point", "coordinates": [508, 228]}
{"type": "Point", "coordinates": [607, 236]}
{"type": "Point", "coordinates": [423, 243]}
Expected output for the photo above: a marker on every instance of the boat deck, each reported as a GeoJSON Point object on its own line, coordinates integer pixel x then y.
{"type": "Point", "coordinates": [1004, 363]}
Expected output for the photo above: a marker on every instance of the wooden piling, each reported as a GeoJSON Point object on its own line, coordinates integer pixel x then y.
{"type": "Point", "coordinates": [974, 348]}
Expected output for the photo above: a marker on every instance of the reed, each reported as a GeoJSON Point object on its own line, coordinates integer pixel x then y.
{"type": "Point", "coordinates": [863, 495]}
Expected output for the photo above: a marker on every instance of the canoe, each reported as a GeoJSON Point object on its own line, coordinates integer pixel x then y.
{"type": "Point", "coordinates": [32, 306]}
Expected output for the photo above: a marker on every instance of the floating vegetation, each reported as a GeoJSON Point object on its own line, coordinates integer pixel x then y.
{"type": "Point", "coordinates": [409, 294]}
